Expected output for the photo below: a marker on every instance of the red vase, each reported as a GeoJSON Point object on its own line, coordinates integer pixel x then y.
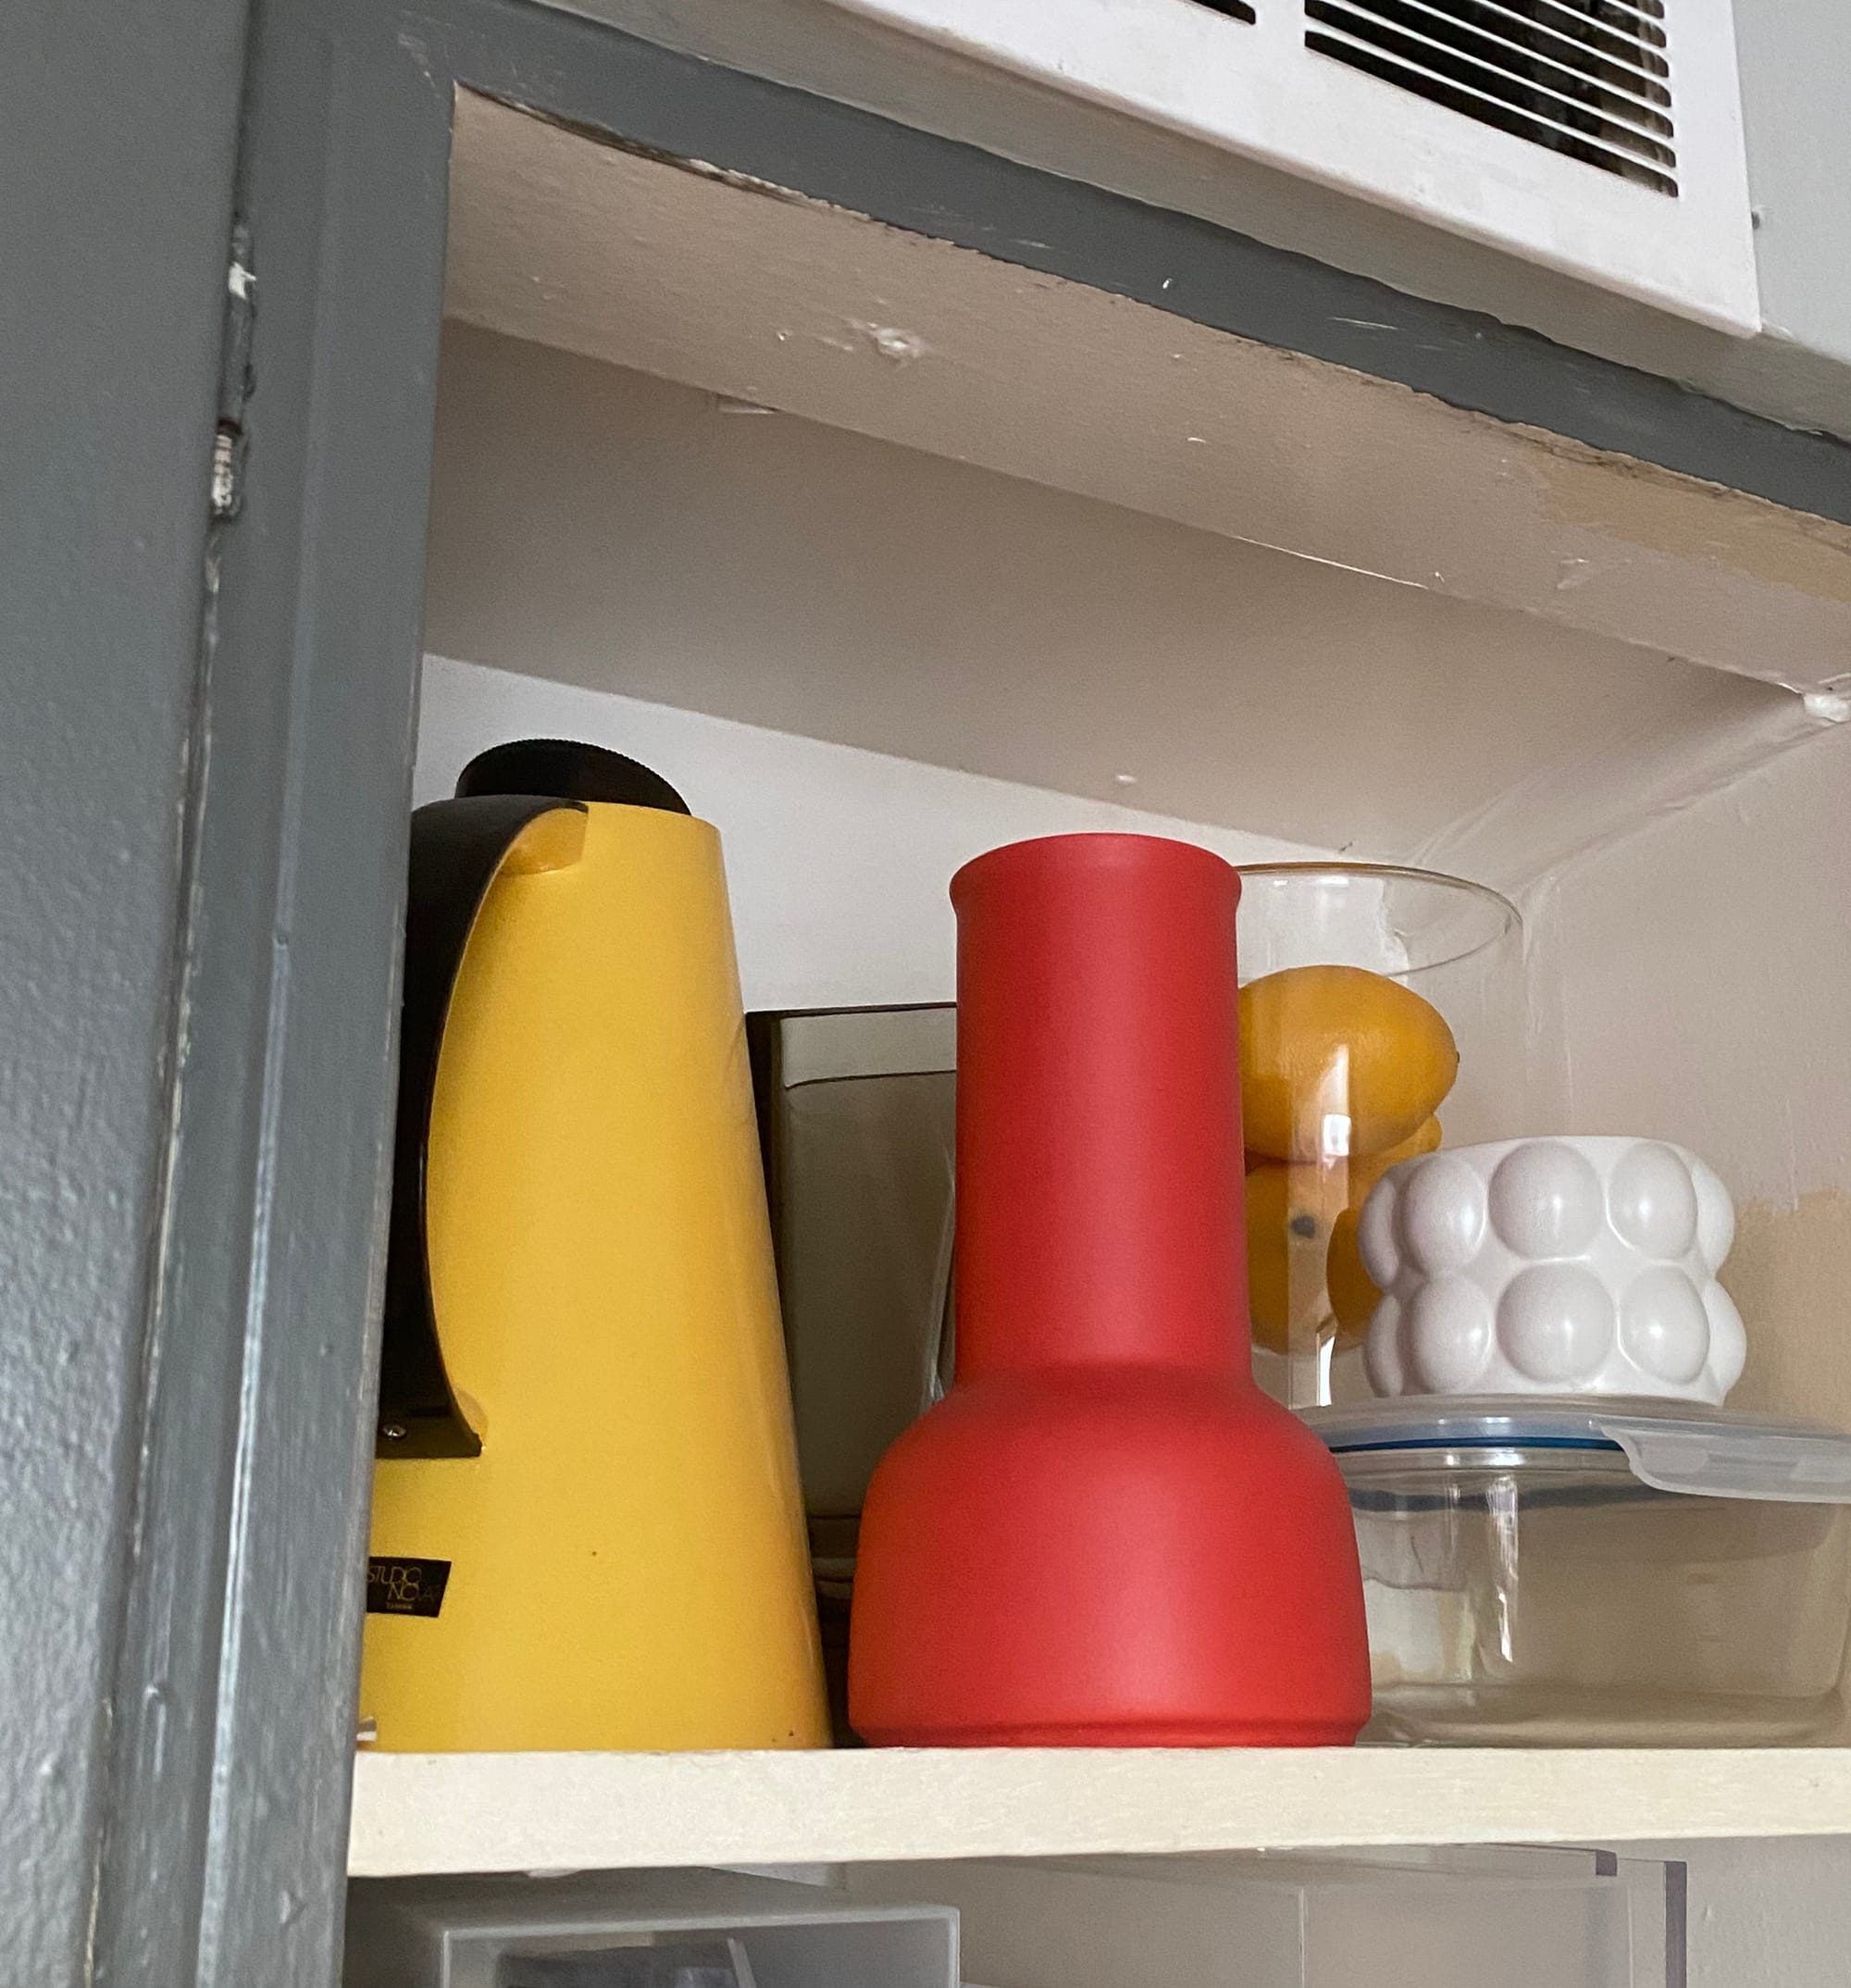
{"type": "Point", "coordinates": [1105, 1534]}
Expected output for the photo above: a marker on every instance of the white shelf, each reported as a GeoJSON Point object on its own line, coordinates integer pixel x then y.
{"type": "Point", "coordinates": [455, 1812]}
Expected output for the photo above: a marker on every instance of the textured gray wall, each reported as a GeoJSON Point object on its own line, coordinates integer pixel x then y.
{"type": "Point", "coordinates": [117, 132]}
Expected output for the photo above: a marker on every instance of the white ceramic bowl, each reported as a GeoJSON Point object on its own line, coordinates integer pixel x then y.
{"type": "Point", "coordinates": [1553, 1266]}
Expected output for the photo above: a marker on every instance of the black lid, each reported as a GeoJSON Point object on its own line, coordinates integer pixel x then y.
{"type": "Point", "coordinates": [565, 770]}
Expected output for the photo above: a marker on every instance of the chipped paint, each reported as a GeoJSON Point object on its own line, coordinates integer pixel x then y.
{"type": "Point", "coordinates": [1639, 503]}
{"type": "Point", "coordinates": [900, 347]}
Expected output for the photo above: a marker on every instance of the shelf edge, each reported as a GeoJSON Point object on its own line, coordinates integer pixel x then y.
{"type": "Point", "coordinates": [457, 1812]}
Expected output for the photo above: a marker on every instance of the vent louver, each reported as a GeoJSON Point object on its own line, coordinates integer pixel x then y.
{"type": "Point", "coordinates": [1598, 139]}
{"type": "Point", "coordinates": [1587, 77]}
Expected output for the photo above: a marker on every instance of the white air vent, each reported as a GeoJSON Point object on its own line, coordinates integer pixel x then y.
{"type": "Point", "coordinates": [1600, 137]}
{"type": "Point", "coordinates": [1588, 80]}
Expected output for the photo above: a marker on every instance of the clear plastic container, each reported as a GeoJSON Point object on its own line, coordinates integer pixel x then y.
{"type": "Point", "coordinates": [856, 1113]}
{"type": "Point", "coordinates": [640, 1929]}
{"type": "Point", "coordinates": [1492, 1918]}
{"type": "Point", "coordinates": [1381, 1015]}
{"type": "Point", "coordinates": [1587, 1573]}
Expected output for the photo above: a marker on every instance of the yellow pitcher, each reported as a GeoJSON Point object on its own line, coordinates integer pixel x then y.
{"type": "Point", "coordinates": [587, 1531]}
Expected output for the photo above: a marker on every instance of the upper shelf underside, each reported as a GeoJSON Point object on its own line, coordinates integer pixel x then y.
{"type": "Point", "coordinates": [604, 528]}
{"type": "Point", "coordinates": [758, 293]}
{"type": "Point", "coordinates": [1276, 593]}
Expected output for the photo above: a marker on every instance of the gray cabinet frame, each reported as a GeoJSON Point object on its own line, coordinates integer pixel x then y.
{"type": "Point", "coordinates": [235, 736]}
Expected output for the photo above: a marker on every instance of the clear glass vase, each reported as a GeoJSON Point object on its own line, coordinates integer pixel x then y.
{"type": "Point", "coordinates": [1382, 1015]}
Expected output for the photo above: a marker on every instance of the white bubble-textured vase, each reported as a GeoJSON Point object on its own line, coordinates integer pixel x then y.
{"type": "Point", "coordinates": [1556, 1266]}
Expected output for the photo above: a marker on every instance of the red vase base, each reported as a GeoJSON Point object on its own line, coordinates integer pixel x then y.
{"type": "Point", "coordinates": [1293, 1734]}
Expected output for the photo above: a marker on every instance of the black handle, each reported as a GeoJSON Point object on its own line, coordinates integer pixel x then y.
{"type": "Point", "coordinates": [458, 848]}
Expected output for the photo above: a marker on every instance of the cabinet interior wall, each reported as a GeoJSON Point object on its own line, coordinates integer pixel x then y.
{"type": "Point", "coordinates": [1696, 962]}
{"type": "Point", "coordinates": [867, 663]}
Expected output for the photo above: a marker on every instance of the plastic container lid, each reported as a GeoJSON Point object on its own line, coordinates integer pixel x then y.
{"type": "Point", "coordinates": [1666, 1448]}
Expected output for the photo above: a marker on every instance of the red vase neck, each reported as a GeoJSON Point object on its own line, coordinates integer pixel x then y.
{"type": "Point", "coordinates": [1099, 1169]}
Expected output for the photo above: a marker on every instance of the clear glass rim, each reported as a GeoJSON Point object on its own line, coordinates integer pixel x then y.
{"type": "Point", "coordinates": [1509, 919]}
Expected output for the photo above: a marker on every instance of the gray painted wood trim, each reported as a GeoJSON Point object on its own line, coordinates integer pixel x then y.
{"type": "Point", "coordinates": [328, 572]}
{"type": "Point", "coordinates": [234, 1711]}
{"type": "Point", "coordinates": [118, 142]}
